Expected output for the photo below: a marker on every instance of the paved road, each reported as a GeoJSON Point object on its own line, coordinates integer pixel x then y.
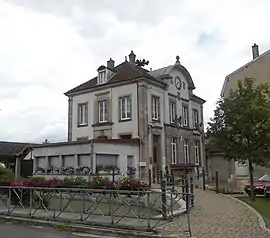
{"type": "Point", "coordinates": [17, 231]}
{"type": "Point", "coordinates": [217, 216]}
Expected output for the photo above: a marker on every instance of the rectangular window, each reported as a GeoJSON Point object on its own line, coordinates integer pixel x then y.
{"type": "Point", "coordinates": [172, 111]}
{"type": "Point", "coordinates": [125, 108]}
{"type": "Point", "coordinates": [197, 153]}
{"type": "Point", "coordinates": [185, 115]}
{"type": "Point", "coordinates": [195, 118]}
{"type": "Point", "coordinates": [174, 152]}
{"type": "Point", "coordinates": [102, 77]}
{"type": "Point", "coordinates": [103, 110]}
{"type": "Point", "coordinates": [130, 161]}
{"type": "Point", "coordinates": [186, 151]}
{"type": "Point", "coordinates": [82, 114]}
{"type": "Point", "coordinates": [155, 108]}
{"type": "Point", "coordinates": [126, 136]}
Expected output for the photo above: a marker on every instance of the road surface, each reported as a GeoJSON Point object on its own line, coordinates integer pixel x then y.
{"type": "Point", "coordinates": [18, 231]}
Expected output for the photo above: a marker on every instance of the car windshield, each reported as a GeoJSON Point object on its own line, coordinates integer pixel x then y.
{"type": "Point", "coordinates": [265, 178]}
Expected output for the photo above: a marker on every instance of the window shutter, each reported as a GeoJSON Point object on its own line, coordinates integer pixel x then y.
{"type": "Point", "coordinates": [158, 116]}
{"type": "Point", "coordinates": [86, 113]}
{"type": "Point", "coordinates": [96, 112]}
{"type": "Point", "coordinates": [78, 115]}
{"type": "Point", "coordinates": [119, 109]}
{"type": "Point", "coordinates": [109, 110]}
{"type": "Point", "coordinates": [130, 103]}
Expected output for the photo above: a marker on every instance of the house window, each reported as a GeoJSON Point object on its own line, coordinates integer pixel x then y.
{"type": "Point", "coordinates": [103, 111]}
{"type": "Point", "coordinates": [186, 151]}
{"type": "Point", "coordinates": [125, 108]}
{"type": "Point", "coordinates": [197, 153]}
{"type": "Point", "coordinates": [185, 115]}
{"type": "Point", "coordinates": [155, 108]}
{"type": "Point", "coordinates": [130, 161]}
{"type": "Point", "coordinates": [195, 118]}
{"type": "Point", "coordinates": [173, 146]}
{"type": "Point", "coordinates": [172, 111]}
{"type": "Point", "coordinates": [82, 114]}
{"type": "Point", "coordinates": [102, 77]}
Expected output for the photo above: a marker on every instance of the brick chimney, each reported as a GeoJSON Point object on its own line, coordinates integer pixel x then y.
{"type": "Point", "coordinates": [110, 64]}
{"type": "Point", "coordinates": [255, 51]}
{"type": "Point", "coordinates": [132, 57]}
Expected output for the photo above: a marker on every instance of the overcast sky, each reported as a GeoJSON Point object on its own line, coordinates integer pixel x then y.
{"type": "Point", "coordinates": [50, 46]}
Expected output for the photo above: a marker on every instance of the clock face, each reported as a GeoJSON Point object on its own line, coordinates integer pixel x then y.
{"type": "Point", "coordinates": [178, 83]}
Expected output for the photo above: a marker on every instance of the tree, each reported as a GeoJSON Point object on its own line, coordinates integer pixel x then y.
{"type": "Point", "coordinates": [240, 127]}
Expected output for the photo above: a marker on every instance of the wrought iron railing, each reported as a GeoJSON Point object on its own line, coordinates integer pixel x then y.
{"type": "Point", "coordinates": [140, 210]}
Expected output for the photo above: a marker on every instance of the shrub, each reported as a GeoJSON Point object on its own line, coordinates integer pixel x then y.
{"type": "Point", "coordinates": [5, 174]}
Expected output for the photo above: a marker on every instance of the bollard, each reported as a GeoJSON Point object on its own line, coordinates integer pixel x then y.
{"type": "Point", "coordinates": [191, 192]}
{"type": "Point", "coordinates": [167, 174]}
{"type": "Point", "coordinates": [113, 175]}
{"type": "Point", "coordinates": [172, 175]}
{"type": "Point", "coordinates": [154, 175]}
{"type": "Point", "coordinates": [161, 175]}
{"type": "Point", "coordinates": [203, 178]}
{"type": "Point", "coordinates": [217, 184]}
{"type": "Point", "coordinates": [163, 199]}
{"type": "Point", "coordinates": [183, 188]}
{"type": "Point", "coordinates": [149, 178]}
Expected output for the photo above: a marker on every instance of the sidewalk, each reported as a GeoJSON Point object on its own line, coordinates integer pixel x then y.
{"type": "Point", "coordinates": [218, 216]}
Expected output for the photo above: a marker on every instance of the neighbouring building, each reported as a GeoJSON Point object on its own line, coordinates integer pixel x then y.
{"type": "Point", "coordinates": [259, 70]}
{"type": "Point", "coordinates": [14, 155]}
{"type": "Point", "coordinates": [158, 107]}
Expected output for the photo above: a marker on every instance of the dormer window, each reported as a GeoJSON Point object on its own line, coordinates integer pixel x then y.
{"type": "Point", "coordinates": [102, 77]}
{"type": "Point", "coordinates": [102, 74]}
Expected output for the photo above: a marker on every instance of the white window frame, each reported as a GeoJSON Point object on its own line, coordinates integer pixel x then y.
{"type": "Point", "coordinates": [82, 114]}
{"type": "Point", "coordinates": [125, 108]}
{"type": "Point", "coordinates": [174, 150]}
{"type": "Point", "coordinates": [186, 151]}
{"type": "Point", "coordinates": [197, 152]}
{"type": "Point", "coordinates": [103, 111]}
{"type": "Point", "coordinates": [172, 111]}
{"type": "Point", "coordinates": [185, 115]}
{"type": "Point", "coordinates": [102, 77]}
{"type": "Point", "coordinates": [195, 118]}
{"type": "Point", "coordinates": [155, 108]}
{"type": "Point", "coordinates": [130, 161]}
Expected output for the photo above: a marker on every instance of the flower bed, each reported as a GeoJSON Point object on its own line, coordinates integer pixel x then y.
{"type": "Point", "coordinates": [98, 182]}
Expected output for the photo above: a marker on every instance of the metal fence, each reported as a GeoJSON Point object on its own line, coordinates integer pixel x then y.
{"type": "Point", "coordinates": [139, 210]}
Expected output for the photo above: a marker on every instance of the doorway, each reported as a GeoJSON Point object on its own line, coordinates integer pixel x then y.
{"type": "Point", "coordinates": [156, 155]}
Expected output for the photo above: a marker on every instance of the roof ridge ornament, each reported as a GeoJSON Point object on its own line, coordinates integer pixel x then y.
{"type": "Point", "coordinates": [177, 60]}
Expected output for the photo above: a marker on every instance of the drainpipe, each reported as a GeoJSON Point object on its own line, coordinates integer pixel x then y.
{"type": "Point", "coordinates": [138, 130]}
{"type": "Point", "coordinates": [92, 157]}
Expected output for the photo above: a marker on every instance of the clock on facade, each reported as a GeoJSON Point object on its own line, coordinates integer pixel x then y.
{"type": "Point", "coordinates": [178, 83]}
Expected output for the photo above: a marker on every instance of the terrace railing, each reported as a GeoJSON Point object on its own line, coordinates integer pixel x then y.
{"type": "Point", "coordinates": [140, 210]}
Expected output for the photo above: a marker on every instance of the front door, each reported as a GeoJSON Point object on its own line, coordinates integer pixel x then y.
{"type": "Point", "coordinates": [156, 155]}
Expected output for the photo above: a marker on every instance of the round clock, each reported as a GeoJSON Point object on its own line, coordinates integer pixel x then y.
{"type": "Point", "coordinates": [178, 83]}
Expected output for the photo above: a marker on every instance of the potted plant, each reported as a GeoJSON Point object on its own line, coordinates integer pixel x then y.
{"type": "Point", "coordinates": [131, 171]}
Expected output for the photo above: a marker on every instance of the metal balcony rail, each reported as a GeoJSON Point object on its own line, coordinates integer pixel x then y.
{"type": "Point", "coordinates": [140, 210]}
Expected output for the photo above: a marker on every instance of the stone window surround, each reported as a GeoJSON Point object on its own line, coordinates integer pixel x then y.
{"type": "Point", "coordinates": [157, 118]}
{"type": "Point", "coordinates": [186, 153]}
{"type": "Point", "coordinates": [185, 118]}
{"type": "Point", "coordinates": [103, 109]}
{"type": "Point", "coordinates": [79, 108]}
{"type": "Point", "coordinates": [102, 96]}
{"type": "Point", "coordinates": [129, 97]}
{"type": "Point", "coordinates": [174, 141]}
{"type": "Point", "coordinates": [171, 102]}
{"type": "Point", "coordinates": [195, 118]}
{"type": "Point", "coordinates": [197, 151]}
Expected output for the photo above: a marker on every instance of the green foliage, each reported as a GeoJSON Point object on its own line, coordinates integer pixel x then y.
{"type": "Point", "coordinates": [5, 174]}
{"type": "Point", "coordinates": [79, 181]}
{"type": "Point", "coordinates": [241, 124]}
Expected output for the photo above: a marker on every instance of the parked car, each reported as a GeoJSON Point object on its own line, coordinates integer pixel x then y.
{"type": "Point", "coordinates": [260, 186]}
